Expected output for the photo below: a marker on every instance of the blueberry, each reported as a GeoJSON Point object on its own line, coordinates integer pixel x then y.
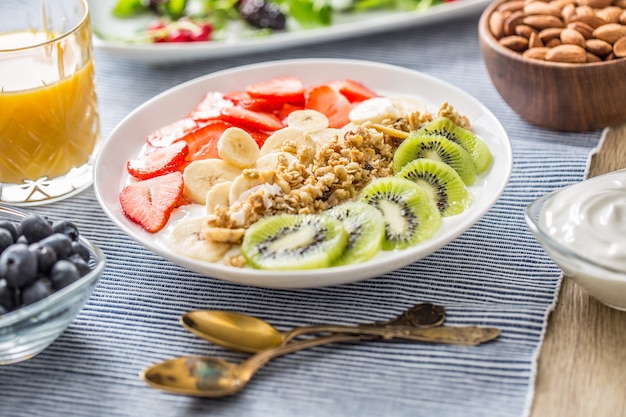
{"type": "Point", "coordinates": [46, 256]}
{"type": "Point", "coordinates": [67, 228]}
{"type": "Point", "coordinates": [36, 291]}
{"type": "Point", "coordinates": [35, 228]}
{"type": "Point", "coordinates": [81, 250]}
{"type": "Point", "coordinates": [80, 264]}
{"type": "Point", "coordinates": [59, 243]}
{"type": "Point", "coordinates": [6, 239]}
{"type": "Point", "coordinates": [18, 265]}
{"type": "Point", "coordinates": [7, 296]}
{"type": "Point", "coordinates": [11, 227]}
{"type": "Point", "coordinates": [63, 273]}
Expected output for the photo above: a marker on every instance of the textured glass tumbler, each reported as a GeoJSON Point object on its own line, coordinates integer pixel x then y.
{"type": "Point", "coordinates": [49, 124]}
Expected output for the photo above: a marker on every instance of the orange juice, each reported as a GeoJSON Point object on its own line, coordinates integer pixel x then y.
{"type": "Point", "coordinates": [48, 120]}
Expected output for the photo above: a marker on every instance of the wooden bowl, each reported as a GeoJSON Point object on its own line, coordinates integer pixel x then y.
{"type": "Point", "coordinates": [558, 96]}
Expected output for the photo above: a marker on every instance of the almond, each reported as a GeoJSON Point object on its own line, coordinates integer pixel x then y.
{"type": "Point", "coordinates": [512, 21]}
{"type": "Point", "coordinates": [536, 53]}
{"type": "Point", "coordinates": [572, 37]}
{"type": "Point", "coordinates": [539, 8]}
{"type": "Point", "coordinates": [534, 41]}
{"type": "Point", "coordinates": [598, 47]}
{"type": "Point", "coordinates": [549, 33]}
{"type": "Point", "coordinates": [610, 14]}
{"type": "Point", "coordinates": [496, 24]}
{"type": "Point", "coordinates": [622, 18]}
{"type": "Point", "coordinates": [596, 4]}
{"type": "Point", "coordinates": [592, 20]}
{"type": "Point", "coordinates": [572, 54]}
{"type": "Point", "coordinates": [585, 11]}
{"type": "Point", "coordinates": [610, 32]}
{"type": "Point", "coordinates": [514, 42]}
{"type": "Point", "coordinates": [582, 28]}
{"type": "Point", "coordinates": [554, 42]}
{"type": "Point", "coordinates": [568, 12]}
{"type": "Point", "coordinates": [619, 47]}
{"type": "Point", "coordinates": [593, 58]}
{"type": "Point", "coordinates": [543, 21]}
{"type": "Point", "coordinates": [511, 6]}
{"type": "Point", "coordinates": [524, 30]}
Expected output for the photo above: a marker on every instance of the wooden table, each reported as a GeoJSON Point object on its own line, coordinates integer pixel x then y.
{"type": "Point", "coordinates": [582, 363]}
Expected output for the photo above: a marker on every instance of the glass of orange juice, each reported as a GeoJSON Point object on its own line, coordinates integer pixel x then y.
{"type": "Point", "coordinates": [49, 124]}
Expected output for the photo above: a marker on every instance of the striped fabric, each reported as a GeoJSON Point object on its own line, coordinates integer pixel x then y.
{"type": "Point", "coordinates": [494, 275]}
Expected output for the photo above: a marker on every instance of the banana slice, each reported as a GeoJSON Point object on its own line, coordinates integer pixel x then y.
{"type": "Point", "coordinates": [200, 176]}
{"type": "Point", "coordinates": [238, 148]}
{"type": "Point", "coordinates": [307, 120]}
{"type": "Point", "coordinates": [246, 181]}
{"type": "Point", "coordinates": [189, 238]}
{"type": "Point", "coordinates": [270, 161]}
{"type": "Point", "coordinates": [292, 140]}
{"type": "Point", "coordinates": [326, 136]}
{"type": "Point", "coordinates": [373, 110]}
{"type": "Point", "coordinates": [218, 196]}
{"type": "Point", "coordinates": [225, 235]}
{"type": "Point", "coordinates": [408, 104]}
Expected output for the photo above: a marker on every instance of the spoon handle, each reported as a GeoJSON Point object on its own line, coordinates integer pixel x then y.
{"type": "Point", "coordinates": [424, 315]}
{"type": "Point", "coordinates": [461, 335]}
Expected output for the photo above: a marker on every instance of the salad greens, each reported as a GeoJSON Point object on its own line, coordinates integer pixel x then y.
{"type": "Point", "coordinates": [220, 13]}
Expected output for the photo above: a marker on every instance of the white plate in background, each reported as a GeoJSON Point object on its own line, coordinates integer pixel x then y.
{"type": "Point", "coordinates": [111, 28]}
{"type": "Point", "coordinates": [128, 138]}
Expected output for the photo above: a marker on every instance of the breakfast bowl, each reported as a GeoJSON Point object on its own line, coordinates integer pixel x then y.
{"type": "Point", "coordinates": [540, 59]}
{"type": "Point", "coordinates": [33, 322]}
{"type": "Point", "coordinates": [581, 228]}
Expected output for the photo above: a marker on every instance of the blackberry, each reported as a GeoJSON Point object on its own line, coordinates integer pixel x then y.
{"type": "Point", "coordinates": [262, 14]}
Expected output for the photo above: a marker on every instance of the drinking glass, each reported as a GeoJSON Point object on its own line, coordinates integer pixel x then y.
{"type": "Point", "coordinates": [49, 123]}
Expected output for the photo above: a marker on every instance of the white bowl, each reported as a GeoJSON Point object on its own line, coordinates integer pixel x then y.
{"type": "Point", "coordinates": [594, 262]}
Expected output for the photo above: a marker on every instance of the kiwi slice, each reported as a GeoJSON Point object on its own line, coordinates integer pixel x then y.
{"type": "Point", "coordinates": [294, 241]}
{"type": "Point", "coordinates": [409, 213]}
{"type": "Point", "coordinates": [442, 183]}
{"type": "Point", "coordinates": [475, 146]}
{"type": "Point", "coordinates": [366, 228]}
{"type": "Point", "coordinates": [435, 147]}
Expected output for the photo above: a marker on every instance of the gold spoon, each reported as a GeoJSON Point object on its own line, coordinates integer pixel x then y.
{"type": "Point", "coordinates": [214, 377]}
{"type": "Point", "coordinates": [250, 334]}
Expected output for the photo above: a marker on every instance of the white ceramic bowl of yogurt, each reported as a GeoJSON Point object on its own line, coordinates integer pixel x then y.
{"type": "Point", "coordinates": [583, 229]}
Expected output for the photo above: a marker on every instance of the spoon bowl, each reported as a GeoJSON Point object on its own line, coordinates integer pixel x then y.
{"type": "Point", "coordinates": [250, 334]}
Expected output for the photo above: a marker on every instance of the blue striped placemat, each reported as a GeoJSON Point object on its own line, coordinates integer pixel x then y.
{"type": "Point", "coordinates": [495, 274]}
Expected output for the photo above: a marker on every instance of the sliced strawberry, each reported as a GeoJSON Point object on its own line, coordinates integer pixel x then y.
{"type": "Point", "coordinates": [286, 109]}
{"type": "Point", "coordinates": [171, 133]}
{"type": "Point", "coordinates": [245, 100]}
{"type": "Point", "coordinates": [149, 203]}
{"type": "Point", "coordinates": [355, 91]}
{"type": "Point", "coordinates": [245, 118]}
{"type": "Point", "coordinates": [282, 89]}
{"type": "Point", "coordinates": [203, 141]}
{"type": "Point", "coordinates": [158, 162]}
{"type": "Point", "coordinates": [330, 102]}
{"type": "Point", "coordinates": [210, 106]}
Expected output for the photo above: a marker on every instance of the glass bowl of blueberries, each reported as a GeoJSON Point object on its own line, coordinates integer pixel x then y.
{"type": "Point", "coordinates": [47, 273]}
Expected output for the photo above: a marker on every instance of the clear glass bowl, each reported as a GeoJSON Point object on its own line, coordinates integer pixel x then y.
{"type": "Point", "coordinates": [606, 284]}
{"type": "Point", "coordinates": [29, 330]}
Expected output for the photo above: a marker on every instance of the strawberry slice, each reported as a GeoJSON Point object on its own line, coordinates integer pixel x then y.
{"type": "Point", "coordinates": [245, 100]}
{"type": "Point", "coordinates": [210, 106]}
{"type": "Point", "coordinates": [244, 118]}
{"type": "Point", "coordinates": [149, 203]}
{"type": "Point", "coordinates": [202, 142]}
{"type": "Point", "coordinates": [158, 162]}
{"type": "Point", "coordinates": [281, 89]}
{"type": "Point", "coordinates": [330, 102]}
{"type": "Point", "coordinates": [171, 133]}
{"type": "Point", "coordinates": [355, 91]}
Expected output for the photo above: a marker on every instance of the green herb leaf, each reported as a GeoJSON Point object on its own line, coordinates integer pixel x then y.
{"type": "Point", "coordinates": [129, 8]}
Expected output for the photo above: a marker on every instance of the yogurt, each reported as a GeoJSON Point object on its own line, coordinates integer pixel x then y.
{"type": "Point", "coordinates": [589, 219]}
